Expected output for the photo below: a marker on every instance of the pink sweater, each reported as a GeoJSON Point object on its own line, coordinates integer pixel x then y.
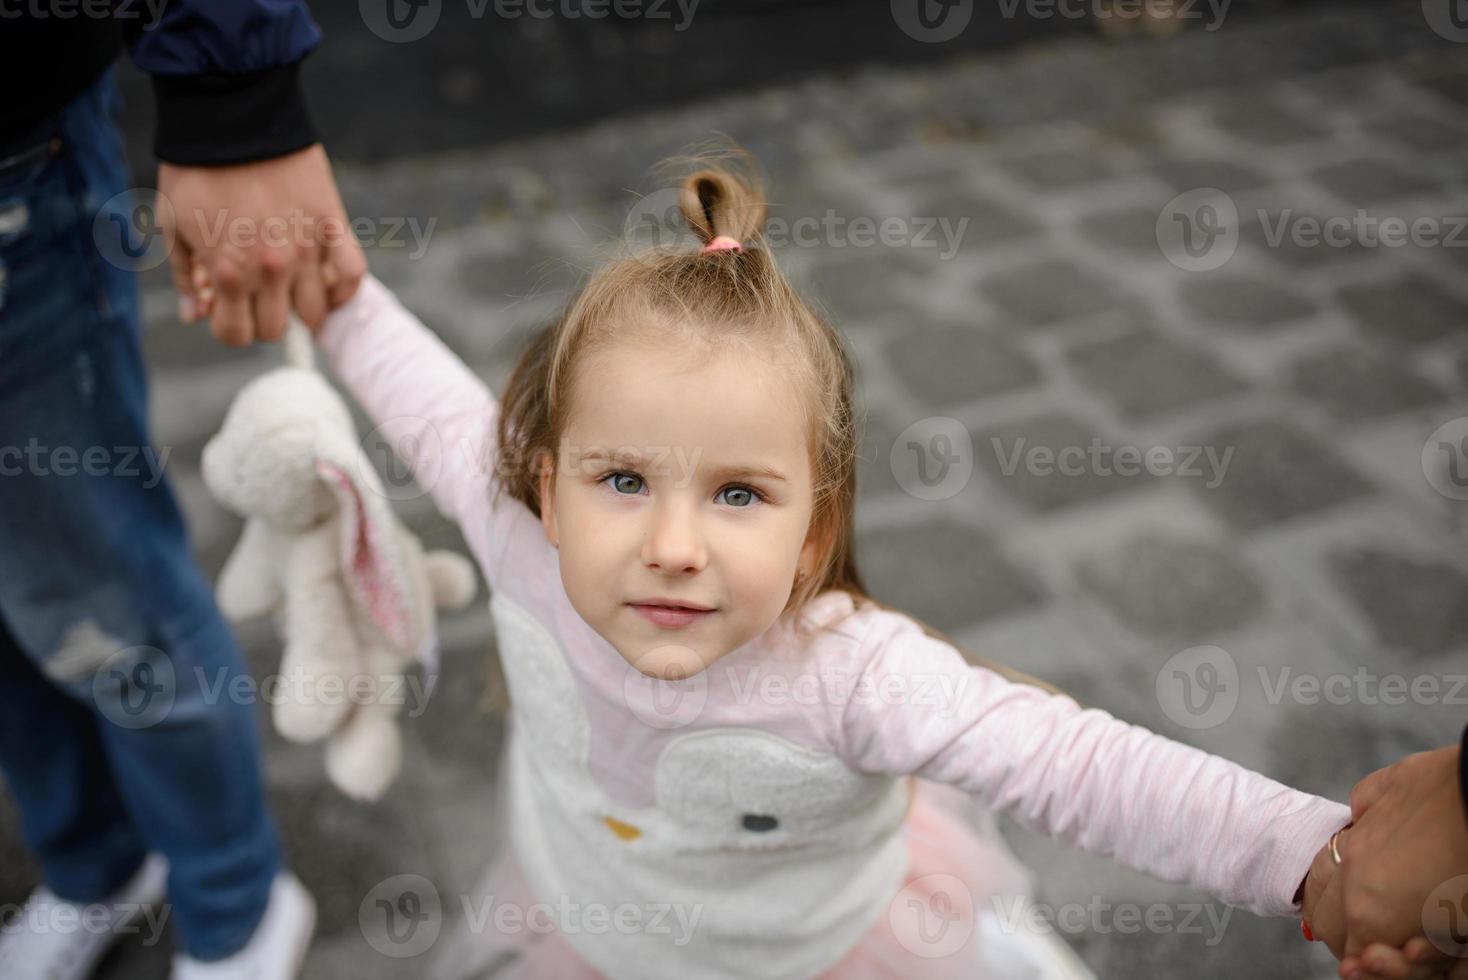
{"type": "Point", "coordinates": [767, 789]}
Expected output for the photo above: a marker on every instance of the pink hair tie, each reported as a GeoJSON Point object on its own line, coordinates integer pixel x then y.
{"type": "Point", "coordinates": [719, 243]}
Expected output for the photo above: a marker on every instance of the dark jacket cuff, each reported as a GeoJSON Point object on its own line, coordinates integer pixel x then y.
{"type": "Point", "coordinates": [213, 120]}
{"type": "Point", "coordinates": [1463, 771]}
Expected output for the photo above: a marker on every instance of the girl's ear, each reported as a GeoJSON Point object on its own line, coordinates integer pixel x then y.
{"type": "Point", "coordinates": [548, 503]}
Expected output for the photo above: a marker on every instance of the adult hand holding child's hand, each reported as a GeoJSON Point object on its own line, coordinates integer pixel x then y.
{"type": "Point", "coordinates": [1408, 839]}
{"type": "Point", "coordinates": [262, 233]}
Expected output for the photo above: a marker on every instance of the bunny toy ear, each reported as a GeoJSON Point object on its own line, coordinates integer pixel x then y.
{"type": "Point", "coordinates": [375, 569]}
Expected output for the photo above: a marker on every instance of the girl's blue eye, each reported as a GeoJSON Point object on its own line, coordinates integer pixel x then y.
{"type": "Point", "coordinates": [751, 495]}
{"type": "Point", "coordinates": [614, 476]}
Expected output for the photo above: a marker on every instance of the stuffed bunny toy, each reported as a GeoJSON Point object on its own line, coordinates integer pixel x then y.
{"type": "Point", "coordinates": [353, 593]}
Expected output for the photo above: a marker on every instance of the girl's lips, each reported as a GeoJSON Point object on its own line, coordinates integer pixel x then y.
{"type": "Point", "coordinates": [669, 618]}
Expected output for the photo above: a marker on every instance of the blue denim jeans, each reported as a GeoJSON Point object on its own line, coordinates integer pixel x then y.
{"type": "Point", "coordinates": [116, 736]}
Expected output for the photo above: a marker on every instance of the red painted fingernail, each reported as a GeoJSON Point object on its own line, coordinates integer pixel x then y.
{"type": "Point", "coordinates": [1305, 928]}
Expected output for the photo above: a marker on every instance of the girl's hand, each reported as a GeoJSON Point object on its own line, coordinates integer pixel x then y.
{"type": "Point", "coordinates": [1419, 959]}
{"type": "Point", "coordinates": [200, 305]}
{"type": "Point", "coordinates": [1320, 906]}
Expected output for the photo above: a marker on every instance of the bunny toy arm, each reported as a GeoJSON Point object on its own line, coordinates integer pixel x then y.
{"type": "Point", "coordinates": [249, 585]}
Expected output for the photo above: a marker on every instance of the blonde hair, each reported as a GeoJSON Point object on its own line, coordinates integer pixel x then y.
{"type": "Point", "coordinates": [731, 296]}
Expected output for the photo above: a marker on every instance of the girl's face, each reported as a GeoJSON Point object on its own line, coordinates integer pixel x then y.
{"type": "Point", "coordinates": [685, 485]}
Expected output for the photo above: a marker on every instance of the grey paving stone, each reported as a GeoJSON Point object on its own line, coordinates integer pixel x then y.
{"type": "Point", "coordinates": [1143, 373]}
{"type": "Point", "coordinates": [1420, 133]}
{"type": "Point", "coordinates": [1229, 177]}
{"type": "Point", "coordinates": [1273, 952]}
{"type": "Point", "coordinates": [1023, 459]}
{"type": "Point", "coordinates": [1366, 183]}
{"type": "Point", "coordinates": [1415, 605]}
{"type": "Point", "coordinates": [341, 849]}
{"type": "Point", "coordinates": [862, 285]}
{"type": "Point", "coordinates": [1057, 169]}
{"type": "Point", "coordinates": [1049, 291]}
{"type": "Point", "coordinates": [1266, 123]}
{"type": "Point", "coordinates": [946, 575]}
{"type": "Point", "coordinates": [1355, 383]}
{"type": "Point", "coordinates": [946, 365]}
{"type": "Point", "coordinates": [1410, 310]}
{"type": "Point", "coordinates": [1246, 302]}
{"type": "Point", "coordinates": [1167, 585]}
{"type": "Point", "coordinates": [988, 221]}
{"type": "Point", "coordinates": [1277, 472]}
{"type": "Point", "coordinates": [1130, 229]}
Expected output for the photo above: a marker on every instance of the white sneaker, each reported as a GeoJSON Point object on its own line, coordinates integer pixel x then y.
{"type": "Point", "coordinates": [277, 948]}
{"type": "Point", "coordinates": [53, 939]}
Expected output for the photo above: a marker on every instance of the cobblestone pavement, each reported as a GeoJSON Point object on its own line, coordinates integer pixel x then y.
{"type": "Point", "coordinates": [1319, 548]}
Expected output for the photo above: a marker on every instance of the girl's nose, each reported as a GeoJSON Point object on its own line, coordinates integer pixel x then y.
{"type": "Point", "coordinates": [676, 542]}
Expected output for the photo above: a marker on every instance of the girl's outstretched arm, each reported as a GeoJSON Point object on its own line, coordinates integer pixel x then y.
{"type": "Point", "coordinates": [435, 414]}
{"type": "Point", "coordinates": [1080, 774]}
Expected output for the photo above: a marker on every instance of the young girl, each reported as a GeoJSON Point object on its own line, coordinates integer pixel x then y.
{"type": "Point", "coordinates": [713, 725]}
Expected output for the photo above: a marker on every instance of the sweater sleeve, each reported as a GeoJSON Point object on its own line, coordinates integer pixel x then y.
{"type": "Point", "coordinates": [1079, 774]}
{"type": "Point", "coordinates": [226, 78]}
{"type": "Point", "coordinates": [1463, 771]}
{"type": "Point", "coordinates": [438, 417]}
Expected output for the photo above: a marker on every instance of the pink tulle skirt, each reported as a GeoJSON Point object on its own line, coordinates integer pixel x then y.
{"type": "Point", "coordinates": [958, 868]}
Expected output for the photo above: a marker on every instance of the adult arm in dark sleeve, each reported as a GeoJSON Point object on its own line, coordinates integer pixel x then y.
{"type": "Point", "coordinates": [1463, 771]}
{"type": "Point", "coordinates": [226, 78]}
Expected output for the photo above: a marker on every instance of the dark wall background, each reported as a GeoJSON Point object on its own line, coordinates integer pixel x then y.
{"type": "Point", "coordinates": [477, 80]}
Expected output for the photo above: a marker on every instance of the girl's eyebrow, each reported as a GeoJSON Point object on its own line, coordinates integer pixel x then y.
{"type": "Point", "coordinates": [633, 459]}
